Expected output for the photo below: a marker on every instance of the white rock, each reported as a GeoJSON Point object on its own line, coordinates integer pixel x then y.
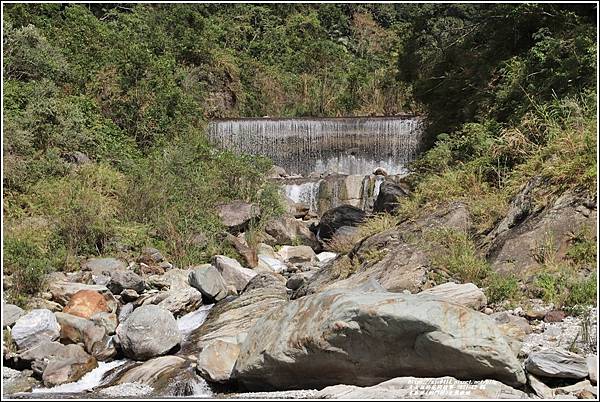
{"type": "Point", "coordinates": [592, 365]}
{"type": "Point", "coordinates": [466, 294]}
{"type": "Point", "coordinates": [326, 256]}
{"type": "Point", "coordinates": [297, 254]}
{"type": "Point", "coordinates": [36, 326]}
{"type": "Point", "coordinates": [272, 264]}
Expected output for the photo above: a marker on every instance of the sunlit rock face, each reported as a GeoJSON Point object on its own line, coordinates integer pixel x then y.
{"type": "Point", "coordinates": [348, 145]}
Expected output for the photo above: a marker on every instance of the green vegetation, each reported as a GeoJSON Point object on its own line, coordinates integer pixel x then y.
{"type": "Point", "coordinates": [455, 257]}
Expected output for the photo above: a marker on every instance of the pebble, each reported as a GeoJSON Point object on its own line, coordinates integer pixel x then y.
{"type": "Point", "coordinates": [565, 335]}
{"type": "Point", "coordinates": [295, 394]}
{"type": "Point", "coordinates": [127, 389]}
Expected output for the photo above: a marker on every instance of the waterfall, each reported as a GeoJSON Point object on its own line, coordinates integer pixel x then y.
{"type": "Point", "coordinates": [306, 192]}
{"type": "Point", "coordinates": [354, 146]}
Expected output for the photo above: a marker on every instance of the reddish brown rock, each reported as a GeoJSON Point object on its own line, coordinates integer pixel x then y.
{"type": "Point", "coordinates": [86, 303]}
{"type": "Point", "coordinates": [554, 316]}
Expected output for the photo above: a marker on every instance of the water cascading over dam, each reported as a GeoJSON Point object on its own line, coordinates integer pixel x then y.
{"type": "Point", "coordinates": [347, 145]}
{"type": "Point", "coordinates": [351, 147]}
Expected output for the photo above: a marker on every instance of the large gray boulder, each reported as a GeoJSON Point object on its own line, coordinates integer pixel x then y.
{"type": "Point", "coordinates": [557, 363]}
{"type": "Point", "coordinates": [10, 314]}
{"type": "Point", "coordinates": [424, 388]}
{"type": "Point", "coordinates": [149, 331]}
{"type": "Point", "coordinates": [36, 326]}
{"type": "Point", "coordinates": [232, 272]}
{"type": "Point", "coordinates": [341, 336]}
{"type": "Point", "coordinates": [208, 280]}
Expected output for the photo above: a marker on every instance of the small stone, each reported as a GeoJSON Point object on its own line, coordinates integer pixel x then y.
{"type": "Point", "coordinates": [488, 311]}
{"type": "Point", "coordinates": [129, 295]}
{"type": "Point", "coordinates": [554, 316]}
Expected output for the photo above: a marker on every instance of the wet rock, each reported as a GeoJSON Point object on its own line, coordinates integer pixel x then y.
{"type": "Point", "coordinates": [276, 172]}
{"type": "Point", "coordinates": [424, 388]}
{"type": "Point", "coordinates": [155, 372]}
{"type": "Point", "coordinates": [466, 294]}
{"type": "Point", "coordinates": [149, 331]}
{"type": "Point", "coordinates": [237, 215]}
{"type": "Point", "coordinates": [320, 340]}
{"type": "Point", "coordinates": [216, 360]}
{"type": "Point", "coordinates": [10, 314]}
{"type": "Point", "coordinates": [556, 363]}
{"type": "Point", "coordinates": [335, 218]}
{"type": "Point", "coordinates": [232, 272]}
{"type": "Point", "coordinates": [182, 301]}
{"type": "Point", "coordinates": [208, 280]}
{"type": "Point", "coordinates": [296, 254]}
{"type": "Point", "coordinates": [35, 327]}
{"type": "Point", "coordinates": [125, 279]}
{"type": "Point", "coordinates": [86, 303]}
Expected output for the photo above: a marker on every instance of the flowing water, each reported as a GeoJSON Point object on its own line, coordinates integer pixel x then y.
{"type": "Point", "coordinates": [348, 145]}
{"type": "Point", "coordinates": [89, 381]}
